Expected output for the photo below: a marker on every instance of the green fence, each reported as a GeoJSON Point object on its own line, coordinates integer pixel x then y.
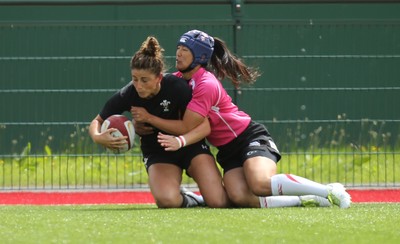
{"type": "Point", "coordinates": [328, 93]}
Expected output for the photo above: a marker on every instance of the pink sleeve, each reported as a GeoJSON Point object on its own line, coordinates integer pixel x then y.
{"type": "Point", "coordinates": [205, 95]}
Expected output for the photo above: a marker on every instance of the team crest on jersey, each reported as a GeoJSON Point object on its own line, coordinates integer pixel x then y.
{"type": "Point", "coordinates": [165, 104]}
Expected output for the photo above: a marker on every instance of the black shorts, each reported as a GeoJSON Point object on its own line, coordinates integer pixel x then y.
{"type": "Point", "coordinates": [181, 158]}
{"type": "Point", "coordinates": [254, 141]}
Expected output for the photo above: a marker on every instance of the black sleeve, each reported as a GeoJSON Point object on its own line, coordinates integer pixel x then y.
{"type": "Point", "coordinates": [117, 103]}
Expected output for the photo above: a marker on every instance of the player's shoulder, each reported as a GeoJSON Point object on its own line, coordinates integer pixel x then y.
{"type": "Point", "coordinates": [175, 81]}
{"type": "Point", "coordinates": [207, 83]}
{"type": "Point", "coordinates": [173, 78]}
{"type": "Point", "coordinates": [127, 90]}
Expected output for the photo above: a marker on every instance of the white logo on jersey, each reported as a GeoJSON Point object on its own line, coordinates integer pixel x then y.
{"type": "Point", "coordinates": [192, 83]}
{"type": "Point", "coordinates": [254, 144]}
{"type": "Point", "coordinates": [165, 104]}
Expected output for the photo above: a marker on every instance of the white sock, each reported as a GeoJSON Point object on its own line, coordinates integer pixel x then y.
{"type": "Point", "coordinates": [279, 201]}
{"type": "Point", "coordinates": [287, 184]}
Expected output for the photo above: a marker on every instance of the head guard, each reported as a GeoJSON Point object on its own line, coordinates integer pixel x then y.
{"type": "Point", "coordinates": [200, 44]}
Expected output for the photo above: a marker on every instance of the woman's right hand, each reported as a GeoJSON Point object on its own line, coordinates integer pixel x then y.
{"type": "Point", "coordinates": [107, 139]}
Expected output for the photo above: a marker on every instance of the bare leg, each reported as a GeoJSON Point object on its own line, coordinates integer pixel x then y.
{"type": "Point", "coordinates": [238, 190]}
{"type": "Point", "coordinates": [262, 181]}
{"type": "Point", "coordinates": [255, 184]}
{"type": "Point", "coordinates": [258, 172]}
{"type": "Point", "coordinates": [165, 181]}
{"type": "Point", "coordinates": [204, 171]}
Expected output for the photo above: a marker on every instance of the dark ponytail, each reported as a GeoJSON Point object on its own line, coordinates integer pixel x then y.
{"type": "Point", "coordinates": [226, 65]}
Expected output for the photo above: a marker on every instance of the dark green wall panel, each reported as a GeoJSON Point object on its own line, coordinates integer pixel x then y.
{"type": "Point", "coordinates": [325, 67]}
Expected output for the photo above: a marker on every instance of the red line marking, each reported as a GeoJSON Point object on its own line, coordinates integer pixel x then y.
{"type": "Point", "coordinates": [145, 197]}
{"type": "Point", "coordinates": [381, 195]}
{"type": "Point", "coordinates": [61, 198]}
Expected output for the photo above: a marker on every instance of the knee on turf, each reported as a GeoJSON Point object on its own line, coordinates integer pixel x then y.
{"type": "Point", "coordinates": [168, 200]}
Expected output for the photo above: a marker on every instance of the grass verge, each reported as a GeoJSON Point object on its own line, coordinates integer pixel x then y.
{"type": "Point", "coordinates": [363, 223]}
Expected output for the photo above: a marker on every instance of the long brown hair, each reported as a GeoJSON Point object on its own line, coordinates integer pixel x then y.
{"type": "Point", "coordinates": [149, 56]}
{"type": "Point", "coordinates": [224, 64]}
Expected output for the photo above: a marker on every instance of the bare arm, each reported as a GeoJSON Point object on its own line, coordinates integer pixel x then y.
{"type": "Point", "coordinates": [176, 127]}
{"type": "Point", "coordinates": [172, 143]}
{"type": "Point", "coordinates": [105, 139]}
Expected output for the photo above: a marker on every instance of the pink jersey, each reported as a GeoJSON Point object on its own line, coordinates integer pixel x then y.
{"type": "Point", "coordinates": [211, 100]}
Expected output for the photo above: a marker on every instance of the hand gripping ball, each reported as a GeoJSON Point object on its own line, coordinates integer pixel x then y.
{"type": "Point", "coordinates": [124, 127]}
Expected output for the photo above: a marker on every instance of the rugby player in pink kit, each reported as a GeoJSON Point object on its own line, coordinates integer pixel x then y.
{"type": "Point", "coordinates": [246, 151]}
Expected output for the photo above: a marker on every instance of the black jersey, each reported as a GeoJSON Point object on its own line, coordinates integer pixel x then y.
{"type": "Point", "coordinates": [169, 103]}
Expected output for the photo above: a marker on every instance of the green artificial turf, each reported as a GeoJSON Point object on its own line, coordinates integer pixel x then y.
{"type": "Point", "coordinates": [362, 223]}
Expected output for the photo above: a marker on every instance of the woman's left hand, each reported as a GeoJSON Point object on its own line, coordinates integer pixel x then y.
{"type": "Point", "coordinates": [168, 142]}
{"type": "Point", "coordinates": [140, 114]}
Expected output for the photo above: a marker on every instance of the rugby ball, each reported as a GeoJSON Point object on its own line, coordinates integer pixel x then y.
{"type": "Point", "coordinates": [124, 127]}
